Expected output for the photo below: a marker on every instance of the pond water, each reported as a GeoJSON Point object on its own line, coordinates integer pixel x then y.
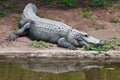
{"type": "Point", "coordinates": [59, 70]}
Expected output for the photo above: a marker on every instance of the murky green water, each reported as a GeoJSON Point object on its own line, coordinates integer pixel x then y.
{"type": "Point", "coordinates": [46, 70]}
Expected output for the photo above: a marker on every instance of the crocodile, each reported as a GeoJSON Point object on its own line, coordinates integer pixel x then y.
{"type": "Point", "coordinates": [51, 31]}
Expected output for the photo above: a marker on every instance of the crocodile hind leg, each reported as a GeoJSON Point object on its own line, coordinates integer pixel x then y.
{"type": "Point", "coordinates": [17, 33]}
{"type": "Point", "coordinates": [63, 43]}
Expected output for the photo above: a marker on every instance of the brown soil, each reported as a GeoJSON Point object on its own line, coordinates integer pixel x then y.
{"type": "Point", "coordinates": [70, 16]}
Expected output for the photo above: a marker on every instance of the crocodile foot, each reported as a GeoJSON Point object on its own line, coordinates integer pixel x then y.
{"type": "Point", "coordinates": [72, 48]}
{"type": "Point", "coordinates": [12, 37]}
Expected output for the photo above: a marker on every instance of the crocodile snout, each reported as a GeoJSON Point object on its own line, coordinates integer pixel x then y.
{"type": "Point", "coordinates": [102, 42]}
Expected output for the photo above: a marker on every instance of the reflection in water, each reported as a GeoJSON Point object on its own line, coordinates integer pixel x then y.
{"type": "Point", "coordinates": [92, 72]}
{"type": "Point", "coordinates": [47, 70]}
{"type": "Point", "coordinates": [52, 67]}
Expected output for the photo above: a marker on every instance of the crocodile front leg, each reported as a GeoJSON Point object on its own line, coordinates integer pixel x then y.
{"type": "Point", "coordinates": [16, 34]}
{"type": "Point", "coordinates": [63, 43]}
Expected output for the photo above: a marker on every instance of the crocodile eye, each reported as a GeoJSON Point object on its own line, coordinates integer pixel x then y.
{"type": "Point", "coordinates": [86, 35]}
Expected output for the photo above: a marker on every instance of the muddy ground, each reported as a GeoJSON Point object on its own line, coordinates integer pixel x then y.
{"type": "Point", "coordinates": [70, 16]}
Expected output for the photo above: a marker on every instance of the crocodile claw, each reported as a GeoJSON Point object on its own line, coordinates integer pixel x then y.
{"type": "Point", "coordinates": [72, 48]}
{"type": "Point", "coordinates": [12, 37]}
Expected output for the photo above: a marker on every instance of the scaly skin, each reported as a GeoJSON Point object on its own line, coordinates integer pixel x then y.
{"type": "Point", "coordinates": [51, 31]}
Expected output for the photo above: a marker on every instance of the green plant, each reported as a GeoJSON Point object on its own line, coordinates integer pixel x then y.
{"type": "Point", "coordinates": [87, 13]}
{"type": "Point", "coordinates": [40, 15]}
{"type": "Point", "coordinates": [2, 0]}
{"type": "Point", "coordinates": [117, 7]}
{"type": "Point", "coordinates": [16, 16]}
{"type": "Point", "coordinates": [97, 26]}
{"type": "Point", "coordinates": [56, 19]}
{"type": "Point", "coordinates": [39, 44]}
{"type": "Point", "coordinates": [118, 15]}
{"type": "Point", "coordinates": [2, 14]}
{"type": "Point", "coordinates": [69, 3]}
{"type": "Point", "coordinates": [113, 43]}
{"type": "Point", "coordinates": [46, 1]}
{"type": "Point", "coordinates": [115, 20]}
{"type": "Point", "coordinates": [16, 28]}
{"type": "Point", "coordinates": [8, 5]}
{"type": "Point", "coordinates": [100, 3]}
{"type": "Point", "coordinates": [81, 10]}
{"type": "Point", "coordinates": [96, 48]}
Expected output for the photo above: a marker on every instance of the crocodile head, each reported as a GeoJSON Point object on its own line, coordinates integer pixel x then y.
{"type": "Point", "coordinates": [83, 38]}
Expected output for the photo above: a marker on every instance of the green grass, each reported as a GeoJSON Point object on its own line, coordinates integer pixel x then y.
{"type": "Point", "coordinates": [55, 19]}
{"type": "Point", "coordinates": [40, 15]}
{"type": "Point", "coordinates": [38, 44]}
{"type": "Point", "coordinates": [16, 16]}
{"type": "Point", "coordinates": [115, 20]}
{"type": "Point", "coordinates": [46, 1]}
{"type": "Point", "coordinates": [94, 48]}
{"type": "Point", "coordinates": [16, 28]}
{"type": "Point", "coordinates": [112, 44]}
{"type": "Point", "coordinates": [87, 13]}
{"type": "Point", "coordinates": [100, 3]}
{"type": "Point", "coordinates": [9, 5]}
{"type": "Point", "coordinates": [117, 6]}
{"type": "Point", "coordinates": [97, 26]}
{"type": "Point", "coordinates": [69, 3]}
{"type": "Point", "coordinates": [118, 15]}
{"type": "Point", "coordinates": [2, 0]}
{"type": "Point", "coordinates": [2, 14]}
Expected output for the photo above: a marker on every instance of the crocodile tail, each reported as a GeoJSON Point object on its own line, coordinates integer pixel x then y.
{"type": "Point", "coordinates": [30, 8]}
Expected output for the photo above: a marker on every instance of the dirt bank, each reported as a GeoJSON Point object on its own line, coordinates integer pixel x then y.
{"type": "Point", "coordinates": [70, 16]}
